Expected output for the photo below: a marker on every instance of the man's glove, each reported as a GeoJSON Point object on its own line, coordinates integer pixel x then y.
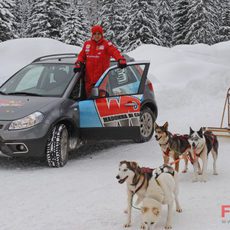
{"type": "Point", "coordinates": [78, 66]}
{"type": "Point", "coordinates": [122, 63]}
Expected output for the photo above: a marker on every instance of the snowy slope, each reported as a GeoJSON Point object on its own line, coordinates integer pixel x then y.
{"type": "Point", "coordinates": [15, 54]}
{"type": "Point", "coordinates": [190, 84]}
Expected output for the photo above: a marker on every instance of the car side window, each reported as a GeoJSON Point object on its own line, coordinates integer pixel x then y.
{"type": "Point", "coordinates": [122, 81]}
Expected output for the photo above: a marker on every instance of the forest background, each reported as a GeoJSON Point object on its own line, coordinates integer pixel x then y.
{"type": "Point", "coordinates": [127, 23]}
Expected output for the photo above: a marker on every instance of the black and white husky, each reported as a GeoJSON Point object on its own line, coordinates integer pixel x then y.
{"type": "Point", "coordinates": [202, 142]}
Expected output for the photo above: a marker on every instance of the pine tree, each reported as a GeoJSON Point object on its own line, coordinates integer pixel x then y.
{"type": "Point", "coordinates": [214, 8]}
{"type": "Point", "coordinates": [6, 20]}
{"type": "Point", "coordinates": [21, 12]}
{"type": "Point", "coordinates": [106, 17]}
{"type": "Point", "coordinates": [92, 7]}
{"type": "Point", "coordinates": [123, 22]}
{"type": "Point", "coordinates": [143, 27]}
{"type": "Point", "coordinates": [203, 23]}
{"type": "Point", "coordinates": [180, 18]}
{"type": "Point", "coordinates": [225, 21]}
{"type": "Point", "coordinates": [111, 19]}
{"type": "Point", "coordinates": [47, 17]}
{"type": "Point", "coordinates": [165, 16]}
{"type": "Point", "coordinates": [123, 36]}
{"type": "Point", "coordinates": [76, 29]}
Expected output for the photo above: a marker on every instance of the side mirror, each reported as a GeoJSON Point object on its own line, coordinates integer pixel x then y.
{"type": "Point", "coordinates": [95, 92]}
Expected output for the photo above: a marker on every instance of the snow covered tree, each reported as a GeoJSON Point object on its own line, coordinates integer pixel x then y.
{"type": "Point", "coordinates": [180, 18]}
{"type": "Point", "coordinates": [202, 23]}
{"type": "Point", "coordinates": [6, 20]}
{"type": "Point", "coordinates": [76, 28]}
{"type": "Point", "coordinates": [111, 19]}
{"type": "Point", "coordinates": [122, 37]}
{"type": "Point", "coordinates": [224, 32]}
{"type": "Point", "coordinates": [21, 12]}
{"type": "Point", "coordinates": [106, 17]}
{"type": "Point", "coordinates": [47, 18]}
{"type": "Point", "coordinates": [92, 7]}
{"type": "Point", "coordinates": [143, 27]}
{"type": "Point", "coordinates": [165, 17]}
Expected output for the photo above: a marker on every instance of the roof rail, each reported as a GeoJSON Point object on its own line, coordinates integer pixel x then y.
{"type": "Point", "coordinates": [52, 56]}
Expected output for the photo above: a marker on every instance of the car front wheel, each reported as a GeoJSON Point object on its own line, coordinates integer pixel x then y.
{"type": "Point", "coordinates": [147, 120]}
{"type": "Point", "coordinates": [57, 146]}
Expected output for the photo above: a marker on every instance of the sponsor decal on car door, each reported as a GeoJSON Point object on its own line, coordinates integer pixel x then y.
{"type": "Point", "coordinates": [119, 111]}
{"type": "Point", "coordinates": [119, 100]}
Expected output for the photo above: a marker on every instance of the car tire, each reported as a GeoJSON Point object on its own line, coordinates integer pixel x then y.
{"type": "Point", "coordinates": [57, 146]}
{"type": "Point", "coordinates": [147, 120]}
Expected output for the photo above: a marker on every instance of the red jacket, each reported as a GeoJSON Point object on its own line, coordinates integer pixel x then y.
{"type": "Point", "coordinates": [96, 56]}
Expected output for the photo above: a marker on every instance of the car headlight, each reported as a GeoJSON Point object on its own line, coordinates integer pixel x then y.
{"type": "Point", "coordinates": [27, 122]}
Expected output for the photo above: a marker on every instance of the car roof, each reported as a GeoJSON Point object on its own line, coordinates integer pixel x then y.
{"type": "Point", "coordinates": [67, 58]}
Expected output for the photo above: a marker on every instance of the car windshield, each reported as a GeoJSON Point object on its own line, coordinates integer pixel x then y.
{"type": "Point", "coordinates": [39, 80]}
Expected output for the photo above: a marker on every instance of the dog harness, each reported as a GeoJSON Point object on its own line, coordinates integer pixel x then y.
{"type": "Point", "coordinates": [175, 136]}
{"type": "Point", "coordinates": [148, 173]}
{"type": "Point", "coordinates": [181, 138]}
{"type": "Point", "coordinates": [166, 153]}
{"type": "Point", "coordinates": [195, 154]}
{"type": "Point", "coordinates": [163, 169]}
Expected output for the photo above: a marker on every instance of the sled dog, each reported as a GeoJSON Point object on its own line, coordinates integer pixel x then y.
{"type": "Point", "coordinates": [173, 146]}
{"type": "Point", "coordinates": [202, 142]}
{"type": "Point", "coordinates": [141, 180]}
{"type": "Point", "coordinates": [158, 195]}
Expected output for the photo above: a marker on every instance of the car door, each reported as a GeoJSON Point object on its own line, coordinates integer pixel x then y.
{"type": "Point", "coordinates": [114, 113]}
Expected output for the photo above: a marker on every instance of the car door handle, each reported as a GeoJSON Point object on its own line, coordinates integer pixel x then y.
{"type": "Point", "coordinates": [129, 104]}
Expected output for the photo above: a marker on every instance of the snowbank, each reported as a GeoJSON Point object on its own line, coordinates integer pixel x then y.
{"type": "Point", "coordinates": [15, 54]}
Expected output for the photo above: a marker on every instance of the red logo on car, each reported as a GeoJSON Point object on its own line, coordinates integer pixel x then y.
{"type": "Point", "coordinates": [117, 105]}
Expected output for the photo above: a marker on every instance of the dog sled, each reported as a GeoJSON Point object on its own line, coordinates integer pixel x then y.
{"type": "Point", "coordinates": [223, 131]}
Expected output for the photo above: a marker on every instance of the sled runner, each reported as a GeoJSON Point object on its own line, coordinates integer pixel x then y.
{"type": "Point", "coordinates": [223, 131]}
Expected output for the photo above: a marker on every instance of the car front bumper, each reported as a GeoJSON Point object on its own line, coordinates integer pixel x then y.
{"type": "Point", "coordinates": [24, 148]}
{"type": "Point", "coordinates": [29, 142]}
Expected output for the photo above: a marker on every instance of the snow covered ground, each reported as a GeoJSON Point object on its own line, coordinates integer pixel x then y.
{"type": "Point", "coordinates": [190, 84]}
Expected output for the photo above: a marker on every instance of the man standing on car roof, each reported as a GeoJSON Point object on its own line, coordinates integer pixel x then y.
{"type": "Point", "coordinates": [95, 55]}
